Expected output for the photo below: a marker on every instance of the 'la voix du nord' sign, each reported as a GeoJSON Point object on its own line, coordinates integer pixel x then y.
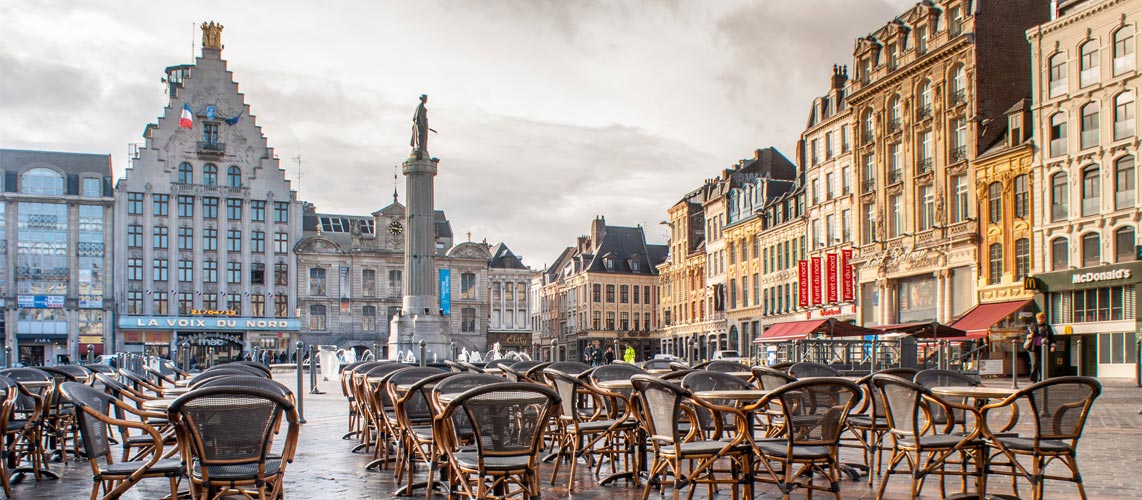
{"type": "Point", "coordinates": [216, 324]}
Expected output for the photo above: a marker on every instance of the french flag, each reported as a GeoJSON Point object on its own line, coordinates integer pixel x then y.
{"type": "Point", "coordinates": [186, 120]}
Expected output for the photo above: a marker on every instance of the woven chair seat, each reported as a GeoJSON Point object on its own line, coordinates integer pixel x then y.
{"type": "Point", "coordinates": [602, 425]}
{"type": "Point", "coordinates": [422, 433]}
{"type": "Point", "coordinates": [936, 441]}
{"type": "Point", "coordinates": [237, 472]}
{"type": "Point", "coordinates": [1028, 444]}
{"type": "Point", "coordinates": [866, 421]}
{"type": "Point", "coordinates": [470, 460]}
{"type": "Point", "coordinates": [780, 448]}
{"type": "Point", "coordinates": [172, 466]}
{"type": "Point", "coordinates": [16, 425]}
{"type": "Point", "coordinates": [703, 448]}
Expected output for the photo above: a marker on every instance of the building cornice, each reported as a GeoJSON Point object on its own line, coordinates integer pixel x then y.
{"type": "Point", "coordinates": [1070, 19]}
{"type": "Point", "coordinates": [903, 73]}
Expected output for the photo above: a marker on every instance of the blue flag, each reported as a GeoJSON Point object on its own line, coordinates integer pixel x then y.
{"type": "Point", "coordinates": [210, 110]}
{"type": "Point", "coordinates": [234, 119]}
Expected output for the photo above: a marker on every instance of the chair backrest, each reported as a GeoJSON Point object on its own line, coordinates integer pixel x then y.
{"type": "Point", "coordinates": [257, 366]}
{"type": "Point", "coordinates": [248, 381]}
{"type": "Point", "coordinates": [656, 364]}
{"type": "Point", "coordinates": [417, 401]}
{"type": "Point", "coordinates": [73, 373]}
{"type": "Point", "coordinates": [902, 401]}
{"type": "Point", "coordinates": [230, 426]}
{"type": "Point", "coordinates": [453, 366]}
{"type": "Point", "coordinates": [508, 419]}
{"type": "Point", "coordinates": [1060, 405]}
{"type": "Point", "coordinates": [93, 431]}
{"type": "Point", "coordinates": [661, 408]}
{"type": "Point", "coordinates": [771, 378]}
{"type": "Point", "coordinates": [19, 375]}
{"type": "Point", "coordinates": [573, 368]}
{"type": "Point", "coordinates": [207, 376]}
{"type": "Point", "coordinates": [498, 363]}
{"type": "Point", "coordinates": [517, 372]}
{"type": "Point", "coordinates": [238, 367]}
{"type": "Point", "coordinates": [469, 367]}
{"type": "Point", "coordinates": [937, 378]}
{"type": "Point", "coordinates": [567, 386]}
{"type": "Point", "coordinates": [535, 373]}
{"type": "Point", "coordinates": [678, 365]}
{"type": "Point", "coordinates": [705, 380]}
{"type": "Point", "coordinates": [617, 371]}
{"type": "Point", "coordinates": [99, 368]}
{"type": "Point", "coordinates": [462, 382]}
{"type": "Point", "coordinates": [677, 375]}
{"type": "Point", "coordinates": [726, 366]}
{"type": "Point", "coordinates": [815, 410]}
{"type": "Point", "coordinates": [808, 369]}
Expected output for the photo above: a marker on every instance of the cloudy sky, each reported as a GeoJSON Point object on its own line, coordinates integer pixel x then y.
{"type": "Point", "coordinates": [549, 112]}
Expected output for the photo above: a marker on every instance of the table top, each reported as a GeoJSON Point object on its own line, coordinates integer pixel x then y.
{"type": "Point", "coordinates": [734, 394]}
{"type": "Point", "coordinates": [850, 378]}
{"type": "Point", "coordinates": [36, 384]}
{"type": "Point", "coordinates": [973, 392]}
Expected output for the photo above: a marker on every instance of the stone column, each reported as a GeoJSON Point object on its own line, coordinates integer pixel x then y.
{"type": "Point", "coordinates": [941, 312]}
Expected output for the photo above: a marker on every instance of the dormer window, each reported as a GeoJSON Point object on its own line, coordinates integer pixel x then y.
{"type": "Point", "coordinates": [609, 263]}
{"type": "Point", "coordinates": [634, 266]}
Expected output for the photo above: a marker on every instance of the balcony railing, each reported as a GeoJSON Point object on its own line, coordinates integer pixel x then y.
{"type": "Point", "coordinates": [1058, 147]}
{"type": "Point", "coordinates": [895, 176]}
{"type": "Point", "coordinates": [1058, 212]}
{"type": "Point", "coordinates": [1124, 199]}
{"type": "Point", "coordinates": [893, 125]}
{"type": "Point", "coordinates": [1091, 206]}
{"type": "Point", "coordinates": [868, 137]}
{"type": "Point", "coordinates": [1088, 139]}
{"type": "Point", "coordinates": [959, 153]}
{"type": "Point", "coordinates": [1057, 87]}
{"type": "Point", "coordinates": [923, 166]}
{"type": "Point", "coordinates": [924, 112]}
{"type": "Point", "coordinates": [959, 96]}
{"type": "Point", "coordinates": [1124, 129]}
{"type": "Point", "coordinates": [211, 148]}
{"type": "Point", "coordinates": [868, 186]}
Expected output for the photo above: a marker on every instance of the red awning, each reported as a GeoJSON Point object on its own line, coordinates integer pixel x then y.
{"type": "Point", "coordinates": [797, 330]}
{"type": "Point", "coordinates": [977, 321]}
{"type": "Point", "coordinates": [923, 330]}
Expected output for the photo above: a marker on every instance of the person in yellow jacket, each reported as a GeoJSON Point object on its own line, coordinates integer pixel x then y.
{"type": "Point", "coordinates": [628, 354]}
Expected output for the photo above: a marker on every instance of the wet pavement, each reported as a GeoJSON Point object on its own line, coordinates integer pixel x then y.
{"type": "Point", "coordinates": [1110, 458]}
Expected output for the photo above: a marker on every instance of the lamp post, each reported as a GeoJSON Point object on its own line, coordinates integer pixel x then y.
{"type": "Point", "coordinates": [535, 350]}
{"type": "Point", "coordinates": [90, 353]}
{"type": "Point", "coordinates": [552, 356]}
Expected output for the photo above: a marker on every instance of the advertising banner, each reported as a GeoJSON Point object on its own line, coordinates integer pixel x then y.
{"type": "Point", "coordinates": [40, 301]}
{"type": "Point", "coordinates": [445, 292]}
{"type": "Point", "coordinates": [346, 289]}
{"type": "Point", "coordinates": [816, 283]}
{"type": "Point", "coordinates": [803, 283]}
{"type": "Point", "coordinates": [847, 275]}
{"type": "Point", "coordinates": [831, 273]}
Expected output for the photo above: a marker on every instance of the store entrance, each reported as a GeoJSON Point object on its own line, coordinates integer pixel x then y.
{"type": "Point", "coordinates": [31, 355]}
{"type": "Point", "coordinates": [210, 349]}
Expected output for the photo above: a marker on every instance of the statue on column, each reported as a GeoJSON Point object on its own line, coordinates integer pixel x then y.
{"type": "Point", "coordinates": [420, 129]}
{"type": "Point", "coordinates": [211, 35]}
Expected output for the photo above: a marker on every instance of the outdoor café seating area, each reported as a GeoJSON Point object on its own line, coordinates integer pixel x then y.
{"type": "Point", "coordinates": [229, 430]}
{"type": "Point", "coordinates": [512, 428]}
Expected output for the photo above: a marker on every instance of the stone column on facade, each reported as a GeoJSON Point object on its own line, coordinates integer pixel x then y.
{"type": "Point", "coordinates": [947, 304]}
{"type": "Point", "coordinates": [941, 293]}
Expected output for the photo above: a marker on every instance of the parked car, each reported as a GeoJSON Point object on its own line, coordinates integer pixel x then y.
{"type": "Point", "coordinates": [727, 355]}
{"type": "Point", "coordinates": [668, 357]}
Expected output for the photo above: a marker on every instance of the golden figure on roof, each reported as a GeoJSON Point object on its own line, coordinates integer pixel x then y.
{"type": "Point", "coordinates": [211, 36]}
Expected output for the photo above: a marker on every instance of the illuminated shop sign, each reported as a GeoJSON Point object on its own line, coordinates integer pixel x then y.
{"type": "Point", "coordinates": [207, 323]}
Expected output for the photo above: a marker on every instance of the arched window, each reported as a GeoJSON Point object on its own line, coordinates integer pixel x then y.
{"type": "Point", "coordinates": [867, 126]}
{"type": "Point", "coordinates": [994, 263]}
{"type": "Point", "coordinates": [234, 177]}
{"type": "Point", "coordinates": [1124, 183]}
{"type": "Point", "coordinates": [1123, 50]}
{"type": "Point", "coordinates": [1088, 63]}
{"type": "Point", "coordinates": [1057, 75]}
{"type": "Point", "coordinates": [1022, 258]}
{"type": "Point", "coordinates": [924, 100]}
{"type": "Point", "coordinates": [994, 202]}
{"type": "Point", "coordinates": [1124, 116]}
{"type": "Point", "coordinates": [1059, 257]}
{"type": "Point", "coordinates": [185, 173]}
{"type": "Point", "coordinates": [894, 113]}
{"type": "Point", "coordinates": [1022, 196]}
{"type": "Point", "coordinates": [957, 86]}
{"type": "Point", "coordinates": [210, 174]}
{"type": "Point", "coordinates": [1092, 254]}
{"type": "Point", "coordinates": [43, 181]}
{"type": "Point", "coordinates": [1058, 134]}
{"type": "Point", "coordinates": [1090, 190]}
{"type": "Point", "coordinates": [1088, 127]}
{"type": "Point", "coordinates": [1124, 245]}
{"type": "Point", "coordinates": [1059, 196]}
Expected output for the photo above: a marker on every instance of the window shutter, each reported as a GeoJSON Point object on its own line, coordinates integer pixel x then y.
{"type": "Point", "coordinates": [9, 181]}
{"type": "Point", "coordinates": [72, 184]}
{"type": "Point", "coordinates": [108, 190]}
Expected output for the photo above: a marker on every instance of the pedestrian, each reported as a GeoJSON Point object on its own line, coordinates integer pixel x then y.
{"type": "Point", "coordinates": [628, 355]}
{"type": "Point", "coordinates": [597, 355]}
{"type": "Point", "coordinates": [609, 356]}
{"type": "Point", "coordinates": [589, 354]}
{"type": "Point", "coordinates": [1039, 332]}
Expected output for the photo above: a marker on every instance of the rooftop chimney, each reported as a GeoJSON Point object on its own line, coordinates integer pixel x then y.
{"type": "Point", "coordinates": [840, 76]}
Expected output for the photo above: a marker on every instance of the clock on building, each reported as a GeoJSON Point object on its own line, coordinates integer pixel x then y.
{"type": "Point", "coordinates": [395, 227]}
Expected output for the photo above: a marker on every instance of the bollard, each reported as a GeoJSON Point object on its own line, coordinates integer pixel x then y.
{"type": "Point", "coordinates": [300, 393]}
{"type": "Point", "coordinates": [90, 354]}
{"type": "Point", "coordinates": [376, 351]}
{"type": "Point", "coordinates": [1138, 363]}
{"type": "Point", "coordinates": [7, 356]}
{"type": "Point", "coordinates": [1014, 363]}
{"type": "Point", "coordinates": [552, 356]}
{"type": "Point", "coordinates": [423, 356]}
{"type": "Point", "coordinates": [312, 371]}
{"type": "Point", "coordinates": [452, 351]}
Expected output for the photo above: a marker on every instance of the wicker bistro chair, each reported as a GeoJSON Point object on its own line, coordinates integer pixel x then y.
{"type": "Point", "coordinates": [508, 421]}
{"type": "Point", "coordinates": [99, 368]}
{"type": "Point", "coordinates": [360, 394]}
{"type": "Point", "coordinates": [704, 380]}
{"type": "Point", "coordinates": [518, 372]}
{"type": "Point", "coordinates": [354, 412]}
{"type": "Point", "coordinates": [671, 423]}
{"type": "Point", "coordinates": [250, 364]}
{"type": "Point", "coordinates": [602, 430]}
{"type": "Point", "coordinates": [807, 369]}
{"type": "Point", "coordinates": [59, 423]}
{"type": "Point", "coordinates": [415, 413]}
{"type": "Point", "coordinates": [9, 390]}
{"type": "Point", "coordinates": [24, 433]}
{"type": "Point", "coordinates": [138, 444]}
{"type": "Point", "coordinates": [814, 414]}
{"type": "Point", "coordinates": [419, 417]}
{"type": "Point", "coordinates": [226, 440]}
{"type": "Point", "coordinates": [927, 446]}
{"type": "Point", "coordinates": [157, 376]}
{"type": "Point", "coordinates": [726, 366]}
{"type": "Point", "coordinates": [1059, 409]}
{"type": "Point", "coordinates": [656, 364]}
{"type": "Point", "coordinates": [94, 417]}
{"type": "Point", "coordinates": [382, 431]}
{"type": "Point", "coordinates": [938, 378]}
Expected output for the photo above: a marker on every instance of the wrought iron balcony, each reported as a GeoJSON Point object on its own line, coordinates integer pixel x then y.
{"type": "Point", "coordinates": [924, 112]}
{"type": "Point", "coordinates": [211, 148]}
{"type": "Point", "coordinates": [959, 153]}
{"type": "Point", "coordinates": [868, 137]}
{"type": "Point", "coordinates": [923, 166]}
{"type": "Point", "coordinates": [868, 185]}
{"type": "Point", "coordinates": [895, 175]}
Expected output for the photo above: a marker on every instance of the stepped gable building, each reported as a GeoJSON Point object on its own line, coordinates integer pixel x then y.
{"type": "Point", "coordinates": [350, 270]}
{"type": "Point", "coordinates": [826, 157]}
{"type": "Point", "coordinates": [206, 225]}
{"type": "Point", "coordinates": [601, 291]}
{"type": "Point", "coordinates": [928, 95]}
{"type": "Point", "coordinates": [1084, 182]}
{"type": "Point", "coordinates": [509, 289]}
{"type": "Point", "coordinates": [56, 232]}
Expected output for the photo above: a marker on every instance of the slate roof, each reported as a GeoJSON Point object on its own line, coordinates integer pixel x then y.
{"type": "Point", "coordinates": [503, 258]}
{"type": "Point", "coordinates": [69, 163]}
{"type": "Point", "coordinates": [626, 245]}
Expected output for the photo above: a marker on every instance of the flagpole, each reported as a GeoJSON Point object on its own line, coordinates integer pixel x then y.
{"type": "Point", "coordinates": [192, 41]}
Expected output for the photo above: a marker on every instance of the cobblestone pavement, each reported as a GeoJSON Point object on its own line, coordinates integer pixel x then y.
{"type": "Point", "coordinates": [1110, 457]}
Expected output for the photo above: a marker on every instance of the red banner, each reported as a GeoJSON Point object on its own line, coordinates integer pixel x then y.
{"type": "Point", "coordinates": [803, 283]}
{"type": "Point", "coordinates": [847, 275]}
{"type": "Point", "coordinates": [816, 285]}
{"type": "Point", "coordinates": [831, 273]}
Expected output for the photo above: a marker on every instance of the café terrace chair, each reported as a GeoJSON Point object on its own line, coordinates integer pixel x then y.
{"type": "Point", "coordinates": [413, 416]}
{"type": "Point", "coordinates": [132, 409]}
{"type": "Point", "coordinates": [705, 380]}
{"type": "Point", "coordinates": [868, 424]}
{"type": "Point", "coordinates": [94, 418]}
{"type": "Point", "coordinates": [726, 366]}
{"type": "Point", "coordinates": [1059, 407]}
{"type": "Point", "coordinates": [656, 364]}
{"type": "Point", "coordinates": [379, 408]}
{"type": "Point", "coordinates": [813, 413]}
{"type": "Point", "coordinates": [809, 369]}
{"type": "Point", "coordinates": [517, 372]}
{"type": "Point", "coordinates": [604, 430]}
{"type": "Point", "coordinates": [354, 412]}
{"type": "Point", "coordinates": [8, 393]}
{"type": "Point", "coordinates": [508, 421]}
{"type": "Point", "coordinates": [226, 441]}
{"type": "Point", "coordinates": [353, 378]}
{"type": "Point", "coordinates": [250, 364]}
{"type": "Point", "coordinates": [769, 379]}
{"type": "Point", "coordinates": [24, 435]}
{"type": "Point", "coordinates": [925, 446]}
{"type": "Point", "coordinates": [670, 421]}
